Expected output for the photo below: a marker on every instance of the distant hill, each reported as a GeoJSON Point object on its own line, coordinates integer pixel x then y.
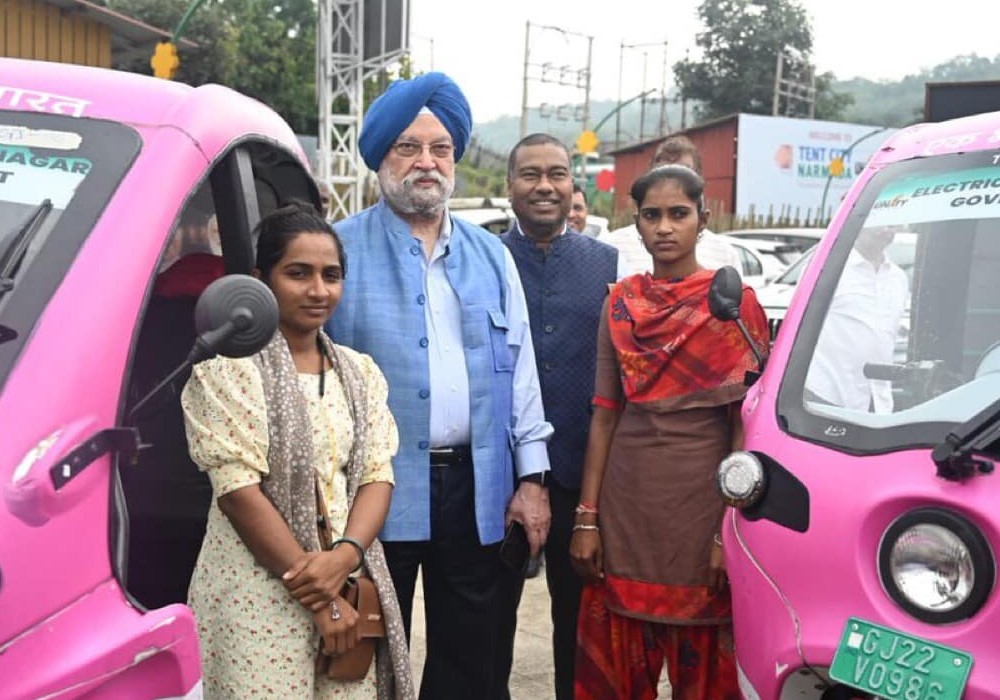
{"type": "Point", "coordinates": [882, 103]}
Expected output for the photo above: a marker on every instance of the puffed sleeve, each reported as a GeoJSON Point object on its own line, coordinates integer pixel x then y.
{"type": "Point", "coordinates": [383, 437]}
{"type": "Point", "coordinates": [225, 416]}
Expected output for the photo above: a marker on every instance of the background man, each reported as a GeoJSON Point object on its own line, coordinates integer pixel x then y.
{"type": "Point", "coordinates": [325, 193]}
{"type": "Point", "coordinates": [711, 251]}
{"type": "Point", "coordinates": [565, 277]}
{"type": "Point", "coordinates": [861, 326]}
{"type": "Point", "coordinates": [437, 302]}
{"type": "Point", "coordinates": [577, 218]}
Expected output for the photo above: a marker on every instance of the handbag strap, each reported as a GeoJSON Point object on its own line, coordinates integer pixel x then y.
{"type": "Point", "coordinates": [323, 525]}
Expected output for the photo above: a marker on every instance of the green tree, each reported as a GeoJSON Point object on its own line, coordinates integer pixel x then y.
{"type": "Point", "coordinates": [209, 28]}
{"type": "Point", "coordinates": [263, 48]}
{"type": "Point", "coordinates": [274, 44]}
{"type": "Point", "coordinates": [741, 42]}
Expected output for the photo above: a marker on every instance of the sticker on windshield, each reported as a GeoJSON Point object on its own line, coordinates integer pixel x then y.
{"type": "Point", "coordinates": [13, 135]}
{"type": "Point", "coordinates": [27, 176]}
{"type": "Point", "coordinates": [971, 194]}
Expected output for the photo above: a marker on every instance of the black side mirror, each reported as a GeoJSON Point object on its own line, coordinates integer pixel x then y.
{"type": "Point", "coordinates": [724, 298]}
{"type": "Point", "coordinates": [726, 294]}
{"type": "Point", "coordinates": [236, 316]}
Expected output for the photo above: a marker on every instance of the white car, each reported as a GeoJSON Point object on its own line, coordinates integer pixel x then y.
{"type": "Point", "coordinates": [760, 260]}
{"type": "Point", "coordinates": [596, 227]}
{"type": "Point", "coordinates": [790, 242]}
{"type": "Point", "coordinates": [492, 213]}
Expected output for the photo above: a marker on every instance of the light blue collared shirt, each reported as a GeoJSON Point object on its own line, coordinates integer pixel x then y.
{"type": "Point", "coordinates": [449, 383]}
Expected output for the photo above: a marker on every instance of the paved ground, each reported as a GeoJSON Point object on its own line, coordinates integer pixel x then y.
{"type": "Point", "coordinates": [531, 678]}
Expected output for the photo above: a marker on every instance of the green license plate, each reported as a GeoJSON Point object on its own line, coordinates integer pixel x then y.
{"type": "Point", "coordinates": [898, 666]}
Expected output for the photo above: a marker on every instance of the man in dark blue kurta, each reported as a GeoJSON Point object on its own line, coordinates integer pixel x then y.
{"type": "Point", "coordinates": [565, 276]}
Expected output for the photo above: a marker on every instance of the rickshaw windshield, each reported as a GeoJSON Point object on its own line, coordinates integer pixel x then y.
{"type": "Point", "coordinates": [57, 173]}
{"type": "Point", "coordinates": [895, 350]}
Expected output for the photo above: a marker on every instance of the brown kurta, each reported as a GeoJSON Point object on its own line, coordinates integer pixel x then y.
{"type": "Point", "coordinates": [659, 505]}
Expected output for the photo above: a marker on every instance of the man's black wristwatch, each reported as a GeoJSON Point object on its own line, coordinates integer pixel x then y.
{"type": "Point", "coordinates": [540, 478]}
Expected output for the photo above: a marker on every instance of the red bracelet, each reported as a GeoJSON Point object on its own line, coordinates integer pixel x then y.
{"type": "Point", "coordinates": [586, 508]}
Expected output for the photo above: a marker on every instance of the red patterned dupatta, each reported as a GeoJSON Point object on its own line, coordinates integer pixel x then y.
{"type": "Point", "coordinates": [668, 343]}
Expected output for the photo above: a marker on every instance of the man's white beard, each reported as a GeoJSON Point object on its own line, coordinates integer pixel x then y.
{"type": "Point", "coordinates": [405, 199]}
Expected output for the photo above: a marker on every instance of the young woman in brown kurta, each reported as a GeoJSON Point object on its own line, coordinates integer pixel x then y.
{"type": "Point", "coordinates": [666, 410]}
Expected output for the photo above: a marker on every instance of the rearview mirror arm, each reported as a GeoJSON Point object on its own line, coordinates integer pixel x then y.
{"type": "Point", "coordinates": [758, 355]}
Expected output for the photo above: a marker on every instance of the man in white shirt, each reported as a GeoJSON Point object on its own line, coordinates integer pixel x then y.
{"type": "Point", "coordinates": [861, 326]}
{"type": "Point", "coordinates": [711, 251]}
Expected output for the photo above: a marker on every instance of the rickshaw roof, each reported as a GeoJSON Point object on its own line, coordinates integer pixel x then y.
{"type": "Point", "coordinates": [212, 115]}
{"type": "Point", "coordinates": [977, 132]}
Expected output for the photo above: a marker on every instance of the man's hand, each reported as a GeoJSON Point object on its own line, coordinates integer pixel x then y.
{"type": "Point", "coordinates": [530, 507]}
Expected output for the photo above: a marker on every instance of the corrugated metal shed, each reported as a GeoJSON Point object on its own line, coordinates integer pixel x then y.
{"type": "Point", "coordinates": [74, 31]}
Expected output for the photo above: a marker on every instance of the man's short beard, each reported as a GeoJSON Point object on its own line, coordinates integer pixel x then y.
{"type": "Point", "coordinates": [408, 201]}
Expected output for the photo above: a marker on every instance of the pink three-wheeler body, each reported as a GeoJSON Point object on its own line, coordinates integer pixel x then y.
{"type": "Point", "coordinates": [876, 536]}
{"type": "Point", "coordinates": [121, 198]}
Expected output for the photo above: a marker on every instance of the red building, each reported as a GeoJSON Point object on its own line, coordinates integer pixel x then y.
{"type": "Point", "coordinates": [716, 141]}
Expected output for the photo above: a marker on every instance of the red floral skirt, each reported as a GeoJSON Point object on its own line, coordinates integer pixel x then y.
{"type": "Point", "coordinates": [621, 658]}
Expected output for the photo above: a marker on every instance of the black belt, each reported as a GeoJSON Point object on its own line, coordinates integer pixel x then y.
{"type": "Point", "coordinates": [450, 456]}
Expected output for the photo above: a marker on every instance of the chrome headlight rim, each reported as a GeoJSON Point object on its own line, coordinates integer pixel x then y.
{"type": "Point", "coordinates": [980, 553]}
{"type": "Point", "coordinates": [756, 490]}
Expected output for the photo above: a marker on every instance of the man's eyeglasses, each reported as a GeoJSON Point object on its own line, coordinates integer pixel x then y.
{"type": "Point", "coordinates": [410, 149]}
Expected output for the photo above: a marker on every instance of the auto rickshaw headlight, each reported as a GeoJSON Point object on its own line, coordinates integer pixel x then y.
{"type": "Point", "coordinates": [741, 479]}
{"type": "Point", "coordinates": [936, 565]}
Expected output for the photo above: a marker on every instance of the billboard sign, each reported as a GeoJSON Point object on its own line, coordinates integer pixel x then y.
{"type": "Point", "coordinates": [783, 164]}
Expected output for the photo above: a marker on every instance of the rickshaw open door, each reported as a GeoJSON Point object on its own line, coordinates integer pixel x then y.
{"type": "Point", "coordinates": [235, 316]}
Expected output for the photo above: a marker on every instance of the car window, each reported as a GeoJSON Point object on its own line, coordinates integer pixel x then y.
{"type": "Point", "coordinates": [751, 265]}
{"type": "Point", "coordinates": [793, 273]}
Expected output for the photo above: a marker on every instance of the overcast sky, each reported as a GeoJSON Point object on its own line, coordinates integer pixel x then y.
{"type": "Point", "coordinates": [483, 48]}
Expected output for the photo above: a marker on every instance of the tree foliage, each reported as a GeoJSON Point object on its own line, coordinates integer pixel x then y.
{"type": "Point", "coordinates": [898, 103]}
{"type": "Point", "coordinates": [275, 50]}
{"type": "Point", "coordinates": [741, 43]}
{"type": "Point", "coordinates": [207, 28]}
{"type": "Point", "coordinates": [263, 49]}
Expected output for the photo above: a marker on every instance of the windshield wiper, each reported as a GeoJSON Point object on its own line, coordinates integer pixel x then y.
{"type": "Point", "coordinates": [954, 457]}
{"type": "Point", "coordinates": [15, 251]}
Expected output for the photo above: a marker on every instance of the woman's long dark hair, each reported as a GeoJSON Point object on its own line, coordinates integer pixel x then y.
{"type": "Point", "coordinates": [274, 232]}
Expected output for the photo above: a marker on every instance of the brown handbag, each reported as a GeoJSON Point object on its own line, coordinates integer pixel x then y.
{"type": "Point", "coordinates": [360, 593]}
{"type": "Point", "coordinates": [353, 664]}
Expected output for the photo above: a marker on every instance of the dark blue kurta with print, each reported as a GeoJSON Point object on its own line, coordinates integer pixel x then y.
{"type": "Point", "coordinates": [565, 288]}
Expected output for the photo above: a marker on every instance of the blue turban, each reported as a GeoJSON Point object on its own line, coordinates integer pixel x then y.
{"type": "Point", "coordinates": [397, 107]}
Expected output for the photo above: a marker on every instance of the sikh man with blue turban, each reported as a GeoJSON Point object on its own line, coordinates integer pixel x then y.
{"type": "Point", "coordinates": [438, 303]}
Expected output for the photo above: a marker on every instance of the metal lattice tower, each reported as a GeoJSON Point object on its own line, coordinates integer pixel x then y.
{"type": "Point", "coordinates": [355, 40]}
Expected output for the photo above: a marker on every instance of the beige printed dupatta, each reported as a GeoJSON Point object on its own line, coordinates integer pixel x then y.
{"type": "Point", "coordinates": [291, 486]}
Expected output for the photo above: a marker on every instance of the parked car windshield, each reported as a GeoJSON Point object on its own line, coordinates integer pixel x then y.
{"type": "Point", "coordinates": [57, 173]}
{"type": "Point", "coordinates": [895, 348]}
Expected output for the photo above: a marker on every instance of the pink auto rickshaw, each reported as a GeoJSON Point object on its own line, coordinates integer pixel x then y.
{"type": "Point", "coordinates": [123, 201]}
{"type": "Point", "coordinates": [862, 552]}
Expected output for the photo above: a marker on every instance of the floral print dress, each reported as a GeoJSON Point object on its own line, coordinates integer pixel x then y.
{"type": "Point", "coordinates": [256, 640]}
